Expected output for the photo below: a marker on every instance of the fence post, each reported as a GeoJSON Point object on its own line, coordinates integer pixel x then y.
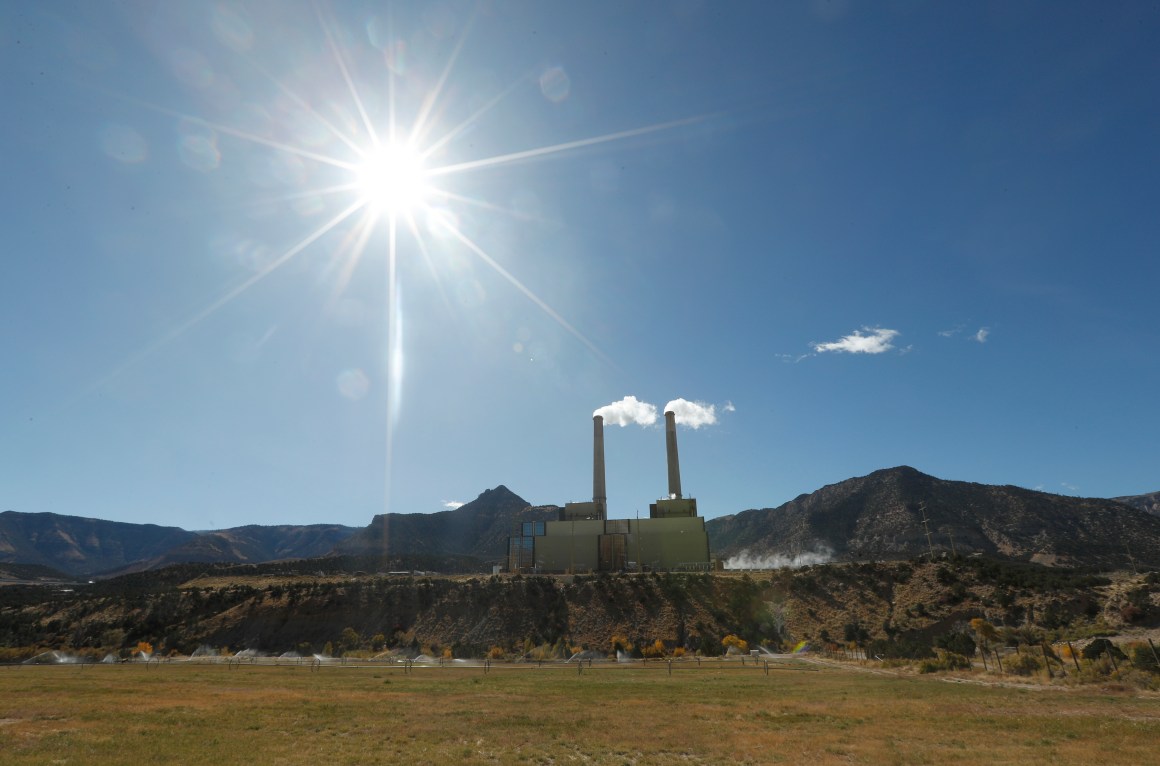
{"type": "Point", "coordinates": [1074, 656]}
{"type": "Point", "coordinates": [1046, 660]}
{"type": "Point", "coordinates": [999, 660]}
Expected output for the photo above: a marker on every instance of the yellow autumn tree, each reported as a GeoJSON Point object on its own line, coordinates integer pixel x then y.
{"type": "Point", "coordinates": [144, 647]}
{"type": "Point", "coordinates": [655, 649]}
{"type": "Point", "coordinates": [984, 630]}
{"type": "Point", "coordinates": [733, 641]}
{"type": "Point", "coordinates": [621, 644]}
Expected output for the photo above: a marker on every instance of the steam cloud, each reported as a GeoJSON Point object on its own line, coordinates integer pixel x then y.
{"type": "Point", "coordinates": [694, 414]}
{"type": "Point", "coordinates": [631, 410]}
{"type": "Point", "coordinates": [746, 560]}
{"type": "Point", "coordinates": [627, 411]}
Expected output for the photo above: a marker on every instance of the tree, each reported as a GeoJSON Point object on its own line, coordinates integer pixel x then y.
{"type": "Point", "coordinates": [733, 642]}
{"type": "Point", "coordinates": [854, 633]}
{"type": "Point", "coordinates": [984, 630]}
{"type": "Point", "coordinates": [144, 648]}
{"type": "Point", "coordinates": [349, 639]}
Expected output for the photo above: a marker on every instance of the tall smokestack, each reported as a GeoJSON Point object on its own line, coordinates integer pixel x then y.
{"type": "Point", "coordinates": [674, 463]}
{"type": "Point", "coordinates": [599, 494]}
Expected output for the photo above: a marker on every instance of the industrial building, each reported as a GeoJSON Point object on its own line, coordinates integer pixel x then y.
{"type": "Point", "coordinates": [584, 539]}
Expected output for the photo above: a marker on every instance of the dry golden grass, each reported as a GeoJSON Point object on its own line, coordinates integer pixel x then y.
{"type": "Point", "coordinates": [713, 713]}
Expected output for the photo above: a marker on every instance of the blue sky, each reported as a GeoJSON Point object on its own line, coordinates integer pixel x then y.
{"type": "Point", "coordinates": [865, 234]}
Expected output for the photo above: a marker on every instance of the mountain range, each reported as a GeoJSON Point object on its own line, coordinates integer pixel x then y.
{"type": "Point", "coordinates": [895, 513]}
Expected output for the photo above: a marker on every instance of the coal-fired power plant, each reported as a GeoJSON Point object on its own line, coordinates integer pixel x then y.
{"type": "Point", "coordinates": [584, 539]}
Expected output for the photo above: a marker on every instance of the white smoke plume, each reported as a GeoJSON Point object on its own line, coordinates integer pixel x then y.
{"type": "Point", "coordinates": [746, 560]}
{"type": "Point", "coordinates": [694, 414]}
{"type": "Point", "coordinates": [627, 411]}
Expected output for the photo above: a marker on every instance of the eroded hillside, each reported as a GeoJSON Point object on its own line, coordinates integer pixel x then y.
{"type": "Point", "coordinates": [901, 607]}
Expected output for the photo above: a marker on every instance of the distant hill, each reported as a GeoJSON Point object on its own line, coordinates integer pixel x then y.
{"type": "Point", "coordinates": [84, 547]}
{"type": "Point", "coordinates": [251, 544]}
{"type": "Point", "coordinates": [479, 528]}
{"type": "Point", "coordinates": [80, 546]}
{"type": "Point", "coordinates": [1149, 502]}
{"type": "Point", "coordinates": [880, 516]}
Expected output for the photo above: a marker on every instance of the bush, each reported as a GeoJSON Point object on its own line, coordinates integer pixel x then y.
{"type": "Point", "coordinates": [733, 642]}
{"type": "Point", "coordinates": [945, 661]}
{"type": "Point", "coordinates": [1023, 664]}
{"type": "Point", "coordinates": [1100, 647]}
{"type": "Point", "coordinates": [956, 641]}
{"type": "Point", "coordinates": [1143, 658]}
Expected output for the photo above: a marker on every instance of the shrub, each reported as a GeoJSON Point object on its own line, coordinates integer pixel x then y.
{"type": "Point", "coordinates": [655, 649]}
{"type": "Point", "coordinates": [956, 641]}
{"type": "Point", "coordinates": [945, 661]}
{"type": "Point", "coordinates": [733, 642]}
{"type": "Point", "coordinates": [1143, 658]}
{"type": "Point", "coordinates": [621, 644]}
{"type": "Point", "coordinates": [1100, 647]}
{"type": "Point", "coordinates": [1023, 664]}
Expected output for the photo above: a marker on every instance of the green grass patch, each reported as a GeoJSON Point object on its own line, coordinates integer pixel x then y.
{"type": "Point", "coordinates": [723, 714]}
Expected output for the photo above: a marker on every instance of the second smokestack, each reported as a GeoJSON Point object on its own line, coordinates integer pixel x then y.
{"type": "Point", "coordinates": [599, 493]}
{"type": "Point", "coordinates": [671, 449]}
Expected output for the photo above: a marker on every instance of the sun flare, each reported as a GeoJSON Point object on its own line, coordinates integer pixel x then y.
{"type": "Point", "coordinates": [393, 180]}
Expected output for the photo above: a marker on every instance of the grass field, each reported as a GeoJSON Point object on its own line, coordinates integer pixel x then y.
{"type": "Point", "coordinates": [713, 714]}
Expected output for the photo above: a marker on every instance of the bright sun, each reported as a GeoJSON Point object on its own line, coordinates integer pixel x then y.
{"type": "Point", "coordinates": [393, 180]}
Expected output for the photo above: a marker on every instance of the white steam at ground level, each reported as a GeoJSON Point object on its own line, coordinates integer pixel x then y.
{"type": "Point", "coordinates": [746, 560]}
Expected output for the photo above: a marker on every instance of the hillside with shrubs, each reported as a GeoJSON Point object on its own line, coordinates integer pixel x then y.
{"type": "Point", "coordinates": [917, 611]}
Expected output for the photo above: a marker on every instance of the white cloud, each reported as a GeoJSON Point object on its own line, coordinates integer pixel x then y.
{"type": "Point", "coordinates": [694, 414]}
{"type": "Point", "coordinates": [451, 505]}
{"type": "Point", "coordinates": [729, 407]}
{"type": "Point", "coordinates": [1069, 487]}
{"type": "Point", "coordinates": [876, 341]}
{"type": "Point", "coordinates": [982, 334]}
{"type": "Point", "coordinates": [627, 411]}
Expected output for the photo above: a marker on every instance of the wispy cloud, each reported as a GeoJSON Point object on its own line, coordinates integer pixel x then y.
{"type": "Point", "coordinates": [953, 331]}
{"type": "Point", "coordinates": [868, 340]}
{"type": "Point", "coordinates": [694, 414]}
{"type": "Point", "coordinates": [627, 411]}
{"type": "Point", "coordinates": [981, 335]}
{"type": "Point", "coordinates": [1069, 487]}
{"type": "Point", "coordinates": [451, 505]}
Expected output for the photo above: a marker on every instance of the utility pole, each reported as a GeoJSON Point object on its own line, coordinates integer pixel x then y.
{"type": "Point", "coordinates": [926, 526]}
